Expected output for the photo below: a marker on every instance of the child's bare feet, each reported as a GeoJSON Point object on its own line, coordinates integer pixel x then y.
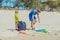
{"type": "Point", "coordinates": [33, 28]}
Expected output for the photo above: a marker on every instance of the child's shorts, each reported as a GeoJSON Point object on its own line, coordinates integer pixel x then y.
{"type": "Point", "coordinates": [30, 18]}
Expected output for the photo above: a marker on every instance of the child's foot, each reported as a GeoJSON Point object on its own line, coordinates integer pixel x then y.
{"type": "Point", "coordinates": [16, 29]}
{"type": "Point", "coordinates": [33, 28]}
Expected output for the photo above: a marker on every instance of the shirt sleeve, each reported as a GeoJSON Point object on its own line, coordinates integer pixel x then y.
{"type": "Point", "coordinates": [33, 12]}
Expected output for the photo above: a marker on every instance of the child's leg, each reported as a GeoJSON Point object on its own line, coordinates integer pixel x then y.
{"type": "Point", "coordinates": [32, 24]}
{"type": "Point", "coordinates": [16, 26]}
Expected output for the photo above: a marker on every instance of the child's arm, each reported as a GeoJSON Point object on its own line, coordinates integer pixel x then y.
{"type": "Point", "coordinates": [33, 18]}
{"type": "Point", "coordinates": [38, 17]}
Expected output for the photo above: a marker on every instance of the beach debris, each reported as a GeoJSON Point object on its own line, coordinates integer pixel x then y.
{"type": "Point", "coordinates": [33, 35]}
{"type": "Point", "coordinates": [55, 33]}
{"type": "Point", "coordinates": [12, 30]}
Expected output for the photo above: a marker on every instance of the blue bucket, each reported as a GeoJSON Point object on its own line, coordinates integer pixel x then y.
{"type": "Point", "coordinates": [39, 30]}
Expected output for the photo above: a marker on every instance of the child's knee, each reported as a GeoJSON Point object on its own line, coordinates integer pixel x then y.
{"type": "Point", "coordinates": [35, 21]}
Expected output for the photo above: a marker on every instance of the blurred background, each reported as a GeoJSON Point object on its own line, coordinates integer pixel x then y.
{"type": "Point", "coordinates": [44, 5]}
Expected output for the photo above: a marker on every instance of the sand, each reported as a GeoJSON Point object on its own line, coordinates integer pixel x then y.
{"type": "Point", "coordinates": [48, 20]}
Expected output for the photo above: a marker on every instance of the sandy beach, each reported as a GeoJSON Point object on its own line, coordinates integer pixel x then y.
{"type": "Point", "coordinates": [48, 20]}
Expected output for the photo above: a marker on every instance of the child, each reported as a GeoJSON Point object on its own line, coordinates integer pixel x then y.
{"type": "Point", "coordinates": [16, 19]}
{"type": "Point", "coordinates": [32, 17]}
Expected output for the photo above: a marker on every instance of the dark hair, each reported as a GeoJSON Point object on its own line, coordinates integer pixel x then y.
{"type": "Point", "coordinates": [16, 11]}
{"type": "Point", "coordinates": [39, 10]}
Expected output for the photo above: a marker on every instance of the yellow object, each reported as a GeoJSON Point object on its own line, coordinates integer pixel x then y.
{"type": "Point", "coordinates": [16, 17]}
